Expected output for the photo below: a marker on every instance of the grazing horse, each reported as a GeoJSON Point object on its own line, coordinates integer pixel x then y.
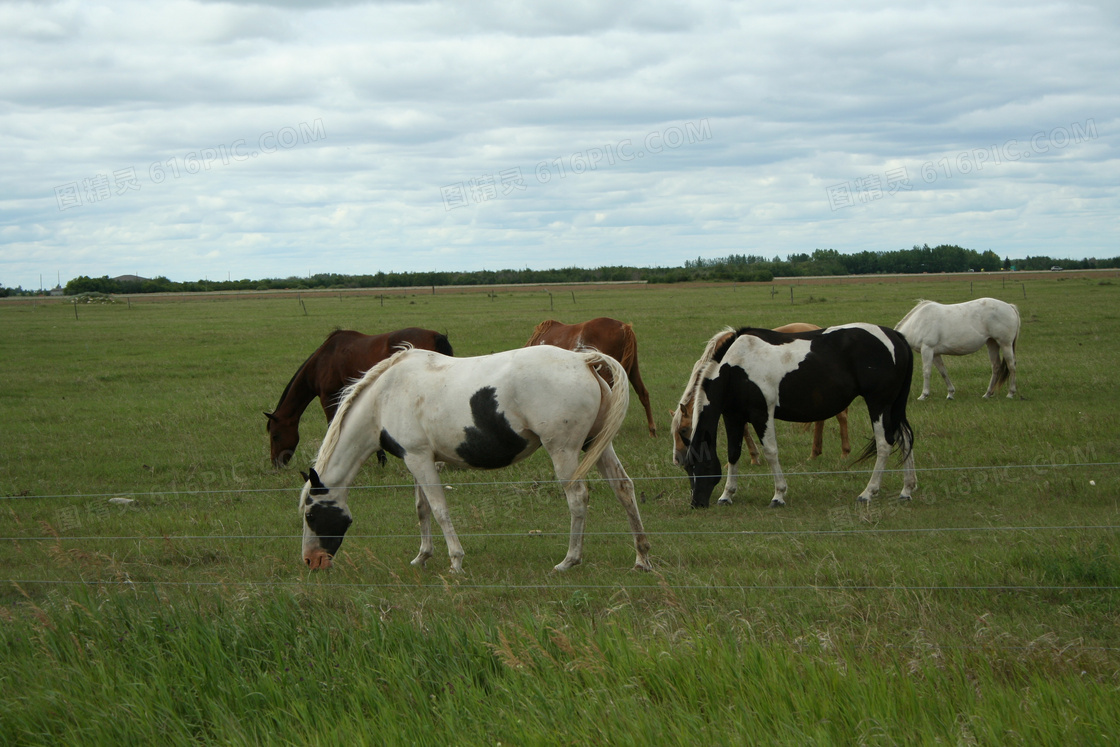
{"type": "Point", "coordinates": [756, 376]}
{"type": "Point", "coordinates": [609, 336]}
{"type": "Point", "coordinates": [342, 358]}
{"type": "Point", "coordinates": [818, 427]}
{"type": "Point", "coordinates": [935, 329]}
{"type": "Point", "coordinates": [480, 413]}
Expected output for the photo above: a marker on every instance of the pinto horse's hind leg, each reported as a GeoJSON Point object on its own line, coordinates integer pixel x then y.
{"type": "Point", "coordinates": [430, 498]}
{"type": "Point", "coordinates": [910, 477]}
{"type": "Point", "coordinates": [882, 453]}
{"type": "Point", "coordinates": [623, 487]}
{"type": "Point", "coordinates": [424, 512]}
{"type": "Point", "coordinates": [565, 462]}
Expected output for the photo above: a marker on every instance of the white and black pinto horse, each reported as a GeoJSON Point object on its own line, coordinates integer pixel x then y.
{"type": "Point", "coordinates": [756, 376]}
{"type": "Point", "coordinates": [485, 412]}
{"type": "Point", "coordinates": [935, 329]}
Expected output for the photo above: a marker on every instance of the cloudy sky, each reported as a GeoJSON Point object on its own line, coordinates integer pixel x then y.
{"type": "Point", "coordinates": [268, 139]}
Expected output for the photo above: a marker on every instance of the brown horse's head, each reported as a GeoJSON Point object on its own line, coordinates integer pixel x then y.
{"type": "Point", "coordinates": [283, 436]}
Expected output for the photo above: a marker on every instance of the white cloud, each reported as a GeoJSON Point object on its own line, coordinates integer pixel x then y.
{"type": "Point", "coordinates": [196, 139]}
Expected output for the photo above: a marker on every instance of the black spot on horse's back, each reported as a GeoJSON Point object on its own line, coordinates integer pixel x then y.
{"type": "Point", "coordinates": [490, 443]}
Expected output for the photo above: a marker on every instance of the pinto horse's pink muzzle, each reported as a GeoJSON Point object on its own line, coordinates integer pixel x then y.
{"type": "Point", "coordinates": [317, 559]}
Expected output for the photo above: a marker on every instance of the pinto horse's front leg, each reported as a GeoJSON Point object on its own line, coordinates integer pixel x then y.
{"type": "Point", "coordinates": [736, 434]}
{"type": "Point", "coordinates": [430, 500]}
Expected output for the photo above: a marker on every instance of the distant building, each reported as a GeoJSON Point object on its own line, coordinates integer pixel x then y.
{"type": "Point", "coordinates": [57, 291]}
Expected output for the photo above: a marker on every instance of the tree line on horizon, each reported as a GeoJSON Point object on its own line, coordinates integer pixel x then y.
{"type": "Point", "coordinates": [733, 268]}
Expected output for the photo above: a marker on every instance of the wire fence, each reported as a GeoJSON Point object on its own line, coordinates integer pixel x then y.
{"type": "Point", "coordinates": [1007, 468]}
{"type": "Point", "coordinates": [437, 580]}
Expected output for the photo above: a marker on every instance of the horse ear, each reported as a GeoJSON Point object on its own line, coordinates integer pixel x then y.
{"type": "Point", "coordinates": [270, 416]}
{"type": "Point", "coordinates": [317, 486]}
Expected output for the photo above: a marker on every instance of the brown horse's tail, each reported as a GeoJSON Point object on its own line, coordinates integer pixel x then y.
{"type": "Point", "coordinates": [630, 347]}
{"type": "Point", "coordinates": [618, 402]}
{"type": "Point", "coordinates": [539, 331]}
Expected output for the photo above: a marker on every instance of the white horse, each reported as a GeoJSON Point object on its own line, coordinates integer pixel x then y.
{"type": "Point", "coordinates": [480, 413]}
{"type": "Point", "coordinates": [934, 329]}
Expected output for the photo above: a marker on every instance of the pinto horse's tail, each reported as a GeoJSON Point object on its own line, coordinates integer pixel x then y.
{"type": "Point", "coordinates": [618, 402]}
{"type": "Point", "coordinates": [897, 428]}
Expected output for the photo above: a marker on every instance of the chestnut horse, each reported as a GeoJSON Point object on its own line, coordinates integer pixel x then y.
{"type": "Point", "coordinates": [606, 335]}
{"type": "Point", "coordinates": [344, 357]}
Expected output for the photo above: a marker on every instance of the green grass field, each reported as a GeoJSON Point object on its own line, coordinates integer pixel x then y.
{"type": "Point", "coordinates": [985, 611]}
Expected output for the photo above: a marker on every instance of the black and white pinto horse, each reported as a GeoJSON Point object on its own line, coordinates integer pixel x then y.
{"type": "Point", "coordinates": [756, 376]}
{"type": "Point", "coordinates": [485, 412]}
{"type": "Point", "coordinates": [935, 329]}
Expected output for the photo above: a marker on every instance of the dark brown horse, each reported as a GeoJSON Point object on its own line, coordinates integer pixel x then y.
{"type": "Point", "coordinates": [609, 336]}
{"type": "Point", "coordinates": [342, 358]}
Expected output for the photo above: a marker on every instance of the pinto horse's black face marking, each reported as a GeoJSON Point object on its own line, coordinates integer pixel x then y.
{"type": "Point", "coordinates": [490, 443]}
{"type": "Point", "coordinates": [324, 517]}
{"type": "Point", "coordinates": [329, 523]}
{"type": "Point", "coordinates": [703, 466]}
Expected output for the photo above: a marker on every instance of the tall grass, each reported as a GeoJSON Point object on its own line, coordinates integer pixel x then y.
{"type": "Point", "coordinates": [983, 611]}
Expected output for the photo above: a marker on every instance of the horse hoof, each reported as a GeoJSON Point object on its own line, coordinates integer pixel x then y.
{"type": "Point", "coordinates": [777, 503]}
{"type": "Point", "coordinates": [643, 565]}
{"type": "Point", "coordinates": [723, 502]}
{"type": "Point", "coordinates": [863, 499]}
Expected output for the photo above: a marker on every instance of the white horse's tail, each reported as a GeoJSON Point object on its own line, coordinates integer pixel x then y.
{"type": "Point", "coordinates": [618, 402]}
{"type": "Point", "coordinates": [1004, 372]}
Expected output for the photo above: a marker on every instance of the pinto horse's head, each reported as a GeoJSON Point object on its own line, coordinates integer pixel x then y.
{"type": "Point", "coordinates": [696, 453]}
{"type": "Point", "coordinates": [325, 521]}
{"type": "Point", "coordinates": [283, 437]}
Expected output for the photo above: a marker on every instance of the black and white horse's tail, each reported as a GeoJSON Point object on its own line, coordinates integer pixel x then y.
{"type": "Point", "coordinates": [896, 427]}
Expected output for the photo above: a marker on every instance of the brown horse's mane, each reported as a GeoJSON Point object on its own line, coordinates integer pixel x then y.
{"type": "Point", "coordinates": [300, 370]}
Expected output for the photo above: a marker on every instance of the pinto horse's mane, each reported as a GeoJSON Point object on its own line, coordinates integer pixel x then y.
{"type": "Point", "coordinates": [346, 400]}
{"type": "Point", "coordinates": [713, 351]}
